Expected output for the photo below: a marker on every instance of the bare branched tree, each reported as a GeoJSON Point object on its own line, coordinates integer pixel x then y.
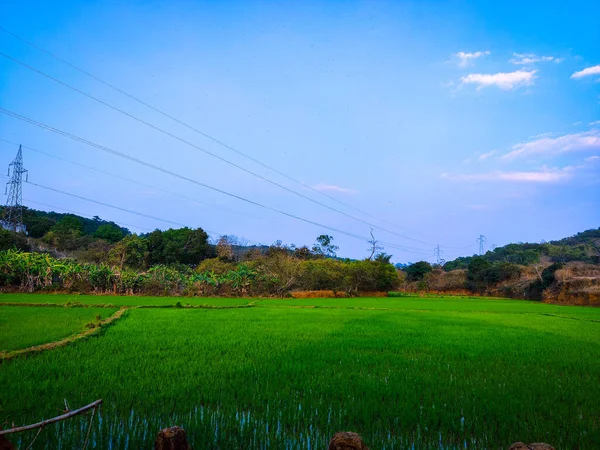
{"type": "Point", "coordinates": [374, 246]}
{"type": "Point", "coordinates": [225, 248]}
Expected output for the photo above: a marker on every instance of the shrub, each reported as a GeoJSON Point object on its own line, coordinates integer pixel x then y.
{"type": "Point", "coordinates": [417, 271]}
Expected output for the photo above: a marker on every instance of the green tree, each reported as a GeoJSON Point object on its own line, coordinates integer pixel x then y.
{"type": "Point", "coordinates": [501, 271]}
{"type": "Point", "coordinates": [64, 234]}
{"type": "Point", "coordinates": [477, 272]}
{"type": "Point", "coordinates": [95, 252]}
{"type": "Point", "coordinates": [131, 251]}
{"type": "Point", "coordinates": [302, 252]}
{"type": "Point", "coordinates": [10, 240]}
{"type": "Point", "coordinates": [383, 258]}
{"type": "Point", "coordinates": [109, 232]}
{"type": "Point", "coordinates": [324, 246]}
{"type": "Point", "coordinates": [184, 245]}
{"type": "Point", "coordinates": [417, 271]}
{"type": "Point", "coordinates": [38, 226]}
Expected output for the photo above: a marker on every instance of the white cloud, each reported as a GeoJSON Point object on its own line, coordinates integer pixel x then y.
{"type": "Point", "coordinates": [592, 158]}
{"type": "Point", "coordinates": [464, 58]}
{"type": "Point", "coordinates": [594, 123]}
{"type": "Point", "coordinates": [541, 135]}
{"type": "Point", "coordinates": [505, 81]}
{"type": "Point", "coordinates": [532, 58]}
{"type": "Point", "coordinates": [333, 188]}
{"type": "Point", "coordinates": [588, 140]}
{"type": "Point", "coordinates": [543, 175]}
{"type": "Point", "coordinates": [595, 70]}
{"type": "Point", "coordinates": [487, 155]}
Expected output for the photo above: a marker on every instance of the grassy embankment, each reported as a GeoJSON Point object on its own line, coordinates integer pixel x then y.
{"type": "Point", "coordinates": [120, 300]}
{"type": "Point", "coordinates": [423, 372]}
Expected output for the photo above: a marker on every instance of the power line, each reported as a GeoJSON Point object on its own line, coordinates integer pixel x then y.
{"type": "Point", "coordinates": [165, 114]}
{"type": "Point", "coordinates": [184, 141]}
{"type": "Point", "coordinates": [174, 174]}
{"type": "Point", "coordinates": [82, 214]}
{"type": "Point", "coordinates": [127, 179]}
{"type": "Point", "coordinates": [120, 223]}
{"type": "Point", "coordinates": [387, 244]}
{"type": "Point", "coordinates": [148, 216]}
{"type": "Point", "coordinates": [70, 194]}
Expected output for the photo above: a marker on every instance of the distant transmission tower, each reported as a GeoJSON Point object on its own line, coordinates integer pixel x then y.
{"type": "Point", "coordinates": [13, 212]}
{"type": "Point", "coordinates": [482, 241]}
{"type": "Point", "coordinates": [438, 255]}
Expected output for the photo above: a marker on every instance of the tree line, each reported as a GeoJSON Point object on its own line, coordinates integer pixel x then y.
{"type": "Point", "coordinates": [582, 247]}
{"type": "Point", "coordinates": [93, 255]}
{"type": "Point", "coordinates": [98, 256]}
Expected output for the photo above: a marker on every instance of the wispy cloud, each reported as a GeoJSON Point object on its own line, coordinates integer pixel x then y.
{"type": "Point", "coordinates": [594, 70]}
{"type": "Point", "coordinates": [543, 175]}
{"type": "Point", "coordinates": [585, 141]}
{"type": "Point", "coordinates": [531, 58]}
{"type": "Point", "coordinates": [333, 188]}
{"type": "Point", "coordinates": [465, 58]}
{"type": "Point", "coordinates": [505, 81]}
{"type": "Point", "coordinates": [594, 123]}
{"type": "Point", "coordinates": [543, 135]}
{"type": "Point", "coordinates": [487, 155]}
{"type": "Point", "coordinates": [593, 158]}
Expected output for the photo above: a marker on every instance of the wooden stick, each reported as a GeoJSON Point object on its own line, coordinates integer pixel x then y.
{"type": "Point", "coordinates": [87, 436]}
{"type": "Point", "coordinates": [53, 420]}
{"type": "Point", "coordinates": [36, 436]}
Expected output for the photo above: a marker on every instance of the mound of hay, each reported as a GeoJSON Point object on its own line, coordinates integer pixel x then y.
{"type": "Point", "coordinates": [346, 440]}
{"type": "Point", "coordinates": [173, 438]}
{"type": "Point", "coordinates": [5, 444]}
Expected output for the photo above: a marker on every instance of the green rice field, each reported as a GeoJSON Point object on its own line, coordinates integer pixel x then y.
{"type": "Point", "coordinates": [25, 327]}
{"type": "Point", "coordinates": [405, 373]}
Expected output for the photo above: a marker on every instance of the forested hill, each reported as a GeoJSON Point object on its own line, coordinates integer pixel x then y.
{"type": "Point", "coordinates": [39, 223]}
{"type": "Point", "coordinates": [584, 246]}
{"type": "Point", "coordinates": [589, 237]}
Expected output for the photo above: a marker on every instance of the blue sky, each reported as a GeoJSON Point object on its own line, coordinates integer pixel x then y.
{"type": "Point", "coordinates": [441, 120]}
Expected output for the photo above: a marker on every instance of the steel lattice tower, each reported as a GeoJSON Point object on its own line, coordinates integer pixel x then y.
{"type": "Point", "coordinates": [13, 213]}
{"type": "Point", "coordinates": [482, 240]}
{"type": "Point", "coordinates": [438, 254]}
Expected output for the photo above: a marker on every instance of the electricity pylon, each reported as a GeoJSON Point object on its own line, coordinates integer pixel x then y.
{"type": "Point", "coordinates": [13, 212]}
{"type": "Point", "coordinates": [482, 241]}
{"type": "Point", "coordinates": [438, 254]}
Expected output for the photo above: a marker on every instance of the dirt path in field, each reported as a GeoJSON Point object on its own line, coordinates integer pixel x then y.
{"type": "Point", "coordinates": [5, 356]}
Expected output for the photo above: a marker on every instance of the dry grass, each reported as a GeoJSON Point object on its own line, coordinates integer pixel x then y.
{"type": "Point", "coordinates": [373, 294]}
{"type": "Point", "coordinates": [578, 270]}
{"type": "Point", "coordinates": [318, 294]}
{"type": "Point", "coordinates": [455, 280]}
